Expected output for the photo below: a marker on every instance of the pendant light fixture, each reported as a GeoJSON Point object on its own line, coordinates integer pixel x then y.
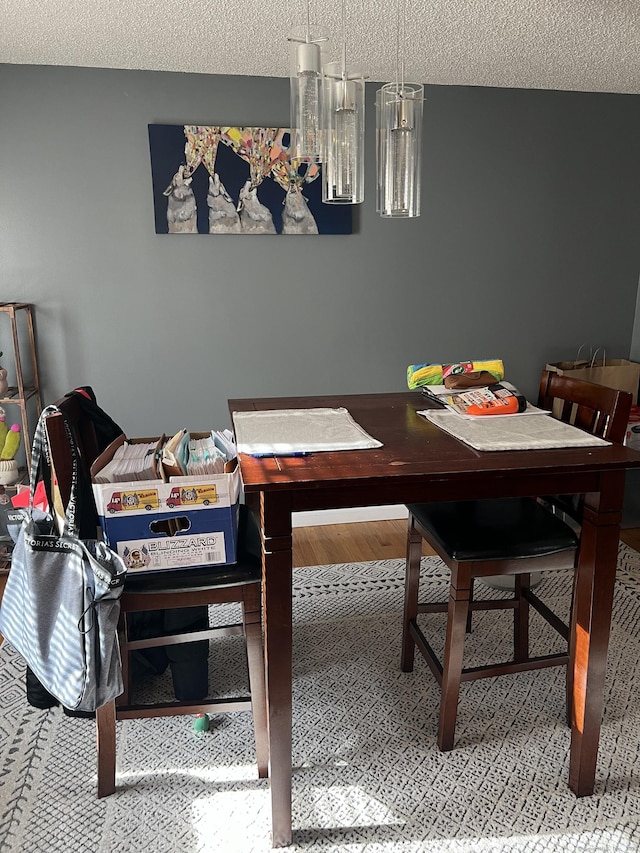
{"type": "Point", "coordinates": [305, 61]}
{"type": "Point", "coordinates": [399, 140]}
{"type": "Point", "coordinates": [343, 124]}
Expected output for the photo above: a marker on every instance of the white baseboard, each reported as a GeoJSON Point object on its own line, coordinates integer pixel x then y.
{"type": "Point", "coordinates": [347, 516]}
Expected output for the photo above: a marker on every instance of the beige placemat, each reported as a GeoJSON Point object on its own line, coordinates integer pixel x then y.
{"type": "Point", "coordinates": [512, 432]}
{"type": "Point", "coordinates": [287, 431]}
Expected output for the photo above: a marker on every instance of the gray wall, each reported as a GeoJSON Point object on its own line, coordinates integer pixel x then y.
{"type": "Point", "coordinates": [527, 247]}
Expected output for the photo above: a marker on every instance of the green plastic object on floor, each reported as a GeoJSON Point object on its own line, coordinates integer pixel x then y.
{"type": "Point", "coordinates": [201, 723]}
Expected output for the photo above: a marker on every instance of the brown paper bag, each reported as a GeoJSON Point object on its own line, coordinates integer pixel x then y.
{"type": "Point", "coordinates": [617, 373]}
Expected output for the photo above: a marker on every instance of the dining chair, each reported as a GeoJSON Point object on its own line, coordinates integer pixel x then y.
{"type": "Point", "coordinates": [503, 537]}
{"type": "Point", "coordinates": [166, 590]}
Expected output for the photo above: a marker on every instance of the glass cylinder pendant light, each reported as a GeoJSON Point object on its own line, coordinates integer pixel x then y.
{"type": "Point", "coordinates": [305, 61]}
{"type": "Point", "coordinates": [399, 144]}
{"type": "Point", "coordinates": [378, 151]}
{"type": "Point", "coordinates": [399, 125]}
{"type": "Point", "coordinates": [343, 123]}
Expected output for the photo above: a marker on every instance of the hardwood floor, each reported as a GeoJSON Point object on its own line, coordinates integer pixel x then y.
{"type": "Point", "coordinates": [350, 543]}
{"type": "Point", "coordinates": [372, 540]}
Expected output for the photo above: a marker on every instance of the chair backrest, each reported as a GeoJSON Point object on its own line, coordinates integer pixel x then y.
{"type": "Point", "coordinates": [597, 409]}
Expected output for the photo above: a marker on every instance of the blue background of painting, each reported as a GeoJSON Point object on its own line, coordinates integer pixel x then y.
{"type": "Point", "coordinates": [166, 144]}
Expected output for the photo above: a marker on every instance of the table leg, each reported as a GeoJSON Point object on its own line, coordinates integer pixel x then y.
{"type": "Point", "coordinates": [591, 622]}
{"type": "Point", "coordinates": [275, 522]}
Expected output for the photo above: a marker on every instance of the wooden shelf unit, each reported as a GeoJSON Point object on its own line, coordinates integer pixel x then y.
{"type": "Point", "coordinates": [20, 394]}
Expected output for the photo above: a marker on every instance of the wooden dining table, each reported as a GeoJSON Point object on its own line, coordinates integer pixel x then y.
{"type": "Point", "coordinates": [418, 462]}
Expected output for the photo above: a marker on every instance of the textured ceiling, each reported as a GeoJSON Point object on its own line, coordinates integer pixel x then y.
{"type": "Point", "coordinates": [585, 45]}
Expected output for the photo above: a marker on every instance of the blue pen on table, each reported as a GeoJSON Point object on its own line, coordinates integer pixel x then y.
{"type": "Point", "coordinates": [293, 455]}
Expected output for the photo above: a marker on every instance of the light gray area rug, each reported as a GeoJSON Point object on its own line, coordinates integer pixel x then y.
{"type": "Point", "coordinates": [367, 773]}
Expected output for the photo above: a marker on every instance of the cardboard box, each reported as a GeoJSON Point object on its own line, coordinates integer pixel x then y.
{"type": "Point", "coordinates": [183, 523]}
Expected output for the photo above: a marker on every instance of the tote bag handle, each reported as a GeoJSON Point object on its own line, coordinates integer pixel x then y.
{"type": "Point", "coordinates": [41, 467]}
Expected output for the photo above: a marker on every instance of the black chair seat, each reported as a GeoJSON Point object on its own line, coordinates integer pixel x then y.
{"type": "Point", "coordinates": [500, 529]}
{"type": "Point", "coordinates": [204, 577]}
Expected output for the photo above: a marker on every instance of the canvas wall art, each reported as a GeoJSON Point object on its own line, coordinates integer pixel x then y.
{"type": "Point", "coordinates": [236, 180]}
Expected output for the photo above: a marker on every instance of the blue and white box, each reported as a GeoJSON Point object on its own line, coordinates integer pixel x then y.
{"type": "Point", "coordinates": [186, 522]}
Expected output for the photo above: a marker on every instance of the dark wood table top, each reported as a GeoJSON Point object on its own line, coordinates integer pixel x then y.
{"type": "Point", "coordinates": [412, 448]}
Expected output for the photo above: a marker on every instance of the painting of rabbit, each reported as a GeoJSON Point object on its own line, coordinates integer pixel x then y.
{"type": "Point", "coordinates": [210, 179]}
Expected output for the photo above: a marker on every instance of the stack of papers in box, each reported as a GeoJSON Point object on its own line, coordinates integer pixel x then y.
{"type": "Point", "coordinates": [184, 454]}
{"type": "Point", "coordinates": [131, 461]}
{"type": "Point", "coordinates": [207, 457]}
{"type": "Point", "coordinates": [189, 454]}
{"type": "Point", "coordinates": [174, 454]}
